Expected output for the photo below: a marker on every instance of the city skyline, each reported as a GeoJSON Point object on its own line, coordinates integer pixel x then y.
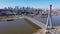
{"type": "Point", "coordinates": [29, 3]}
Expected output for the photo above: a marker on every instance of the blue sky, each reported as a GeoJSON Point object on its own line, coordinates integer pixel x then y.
{"type": "Point", "coordinates": [29, 3]}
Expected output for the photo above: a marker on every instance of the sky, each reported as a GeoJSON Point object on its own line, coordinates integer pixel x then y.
{"type": "Point", "coordinates": [29, 3]}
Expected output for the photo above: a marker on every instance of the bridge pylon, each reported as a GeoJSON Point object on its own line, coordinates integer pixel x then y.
{"type": "Point", "coordinates": [49, 22]}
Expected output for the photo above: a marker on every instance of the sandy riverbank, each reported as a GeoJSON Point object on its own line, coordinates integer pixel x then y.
{"type": "Point", "coordinates": [57, 27]}
{"type": "Point", "coordinates": [39, 31]}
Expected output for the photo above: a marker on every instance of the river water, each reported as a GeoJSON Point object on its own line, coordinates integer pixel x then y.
{"type": "Point", "coordinates": [55, 20]}
{"type": "Point", "coordinates": [18, 26]}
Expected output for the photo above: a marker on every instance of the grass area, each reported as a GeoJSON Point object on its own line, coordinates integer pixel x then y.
{"type": "Point", "coordinates": [2, 17]}
{"type": "Point", "coordinates": [34, 26]}
{"type": "Point", "coordinates": [6, 16]}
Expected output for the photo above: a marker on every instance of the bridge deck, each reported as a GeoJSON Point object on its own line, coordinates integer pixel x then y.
{"type": "Point", "coordinates": [40, 24]}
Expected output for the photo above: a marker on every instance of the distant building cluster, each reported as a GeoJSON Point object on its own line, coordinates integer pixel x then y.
{"type": "Point", "coordinates": [25, 10]}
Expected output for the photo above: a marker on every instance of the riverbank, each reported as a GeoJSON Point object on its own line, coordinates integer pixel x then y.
{"type": "Point", "coordinates": [39, 31]}
{"type": "Point", "coordinates": [57, 27]}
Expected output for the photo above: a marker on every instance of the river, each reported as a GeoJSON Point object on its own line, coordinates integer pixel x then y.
{"type": "Point", "coordinates": [18, 26]}
{"type": "Point", "coordinates": [55, 20]}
